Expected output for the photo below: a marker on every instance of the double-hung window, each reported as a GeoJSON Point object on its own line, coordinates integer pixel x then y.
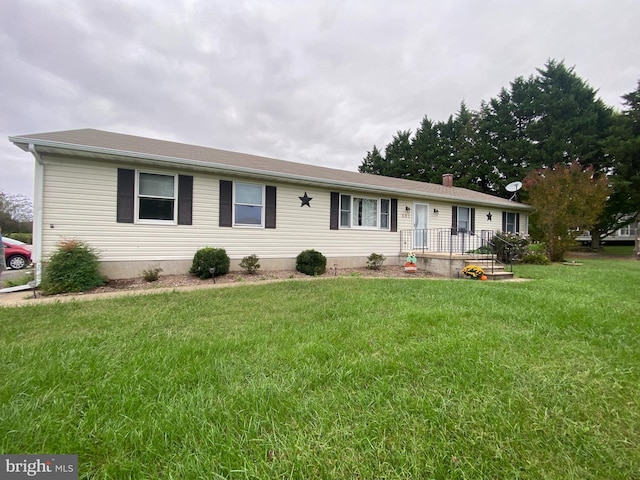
{"type": "Point", "coordinates": [248, 204]}
{"type": "Point", "coordinates": [463, 220]}
{"type": "Point", "coordinates": [510, 222]}
{"type": "Point", "coordinates": [627, 231]}
{"type": "Point", "coordinates": [345, 211]}
{"type": "Point", "coordinates": [384, 213]}
{"type": "Point", "coordinates": [348, 211]}
{"type": "Point", "coordinates": [362, 212]}
{"type": "Point", "coordinates": [145, 197]}
{"type": "Point", "coordinates": [464, 216]}
{"type": "Point", "coordinates": [157, 195]}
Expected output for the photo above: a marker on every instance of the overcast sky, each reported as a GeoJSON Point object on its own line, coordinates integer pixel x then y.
{"type": "Point", "coordinates": [309, 81]}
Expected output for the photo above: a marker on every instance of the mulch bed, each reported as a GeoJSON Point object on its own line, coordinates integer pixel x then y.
{"type": "Point", "coordinates": [172, 281]}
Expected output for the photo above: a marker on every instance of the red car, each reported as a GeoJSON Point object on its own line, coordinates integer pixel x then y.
{"type": "Point", "coordinates": [16, 254]}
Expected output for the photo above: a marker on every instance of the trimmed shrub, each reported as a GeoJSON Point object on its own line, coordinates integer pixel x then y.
{"type": "Point", "coordinates": [250, 263]}
{"type": "Point", "coordinates": [207, 258]}
{"type": "Point", "coordinates": [520, 246]}
{"type": "Point", "coordinates": [536, 259]}
{"type": "Point", "coordinates": [151, 274]}
{"type": "Point", "coordinates": [375, 261]}
{"type": "Point", "coordinates": [311, 262]}
{"type": "Point", "coordinates": [74, 267]}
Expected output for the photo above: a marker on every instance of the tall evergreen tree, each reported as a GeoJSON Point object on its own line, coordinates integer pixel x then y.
{"type": "Point", "coordinates": [399, 156]}
{"type": "Point", "coordinates": [373, 163]}
{"type": "Point", "coordinates": [503, 133]}
{"type": "Point", "coordinates": [623, 148]}
{"type": "Point", "coordinates": [549, 118]}
{"type": "Point", "coordinates": [570, 122]}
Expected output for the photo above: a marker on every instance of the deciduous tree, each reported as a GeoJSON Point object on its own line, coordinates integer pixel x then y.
{"type": "Point", "coordinates": [568, 200]}
{"type": "Point", "coordinates": [16, 213]}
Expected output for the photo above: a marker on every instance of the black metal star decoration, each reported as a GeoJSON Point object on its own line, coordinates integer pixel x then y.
{"type": "Point", "coordinates": [489, 216]}
{"type": "Point", "coordinates": [306, 200]}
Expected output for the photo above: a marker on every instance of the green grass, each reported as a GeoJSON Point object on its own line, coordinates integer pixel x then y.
{"type": "Point", "coordinates": [23, 279]}
{"type": "Point", "coordinates": [618, 250]}
{"type": "Point", "coordinates": [336, 378]}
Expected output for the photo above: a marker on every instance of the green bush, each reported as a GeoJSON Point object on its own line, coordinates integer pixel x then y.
{"type": "Point", "coordinates": [483, 250]}
{"type": "Point", "coordinates": [151, 274]}
{"type": "Point", "coordinates": [21, 237]}
{"type": "Point", "coordinates": [536, 259]}
{"type": "Point", "coordinates": [311, 262]}
{"type": "Point", "coordinates": [375, 261]}
{"type": "Point", "coordinates": [250, 263]}
{"type": "Point", "coordinates": [74, 267]}
{"type": "Point", "coordinates": [503, 250]}
{"type": "Point", "coordinates": [207, 258]}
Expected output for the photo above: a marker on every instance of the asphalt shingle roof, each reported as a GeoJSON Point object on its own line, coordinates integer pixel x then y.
{"type": "Point", "coordinates": [99, 142]}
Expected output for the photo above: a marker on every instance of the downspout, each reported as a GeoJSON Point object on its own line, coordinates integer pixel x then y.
{"type": "Point", "coordinates": [38, 195]}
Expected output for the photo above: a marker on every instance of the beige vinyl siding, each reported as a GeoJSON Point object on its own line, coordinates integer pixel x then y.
{"type": "Point", "coordinates": [300, 228]}
{"type": "Point", "coordinates": [80, 202]}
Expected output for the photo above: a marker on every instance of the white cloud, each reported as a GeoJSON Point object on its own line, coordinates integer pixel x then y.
{"type": "Point", "coordinates": [317, 82]}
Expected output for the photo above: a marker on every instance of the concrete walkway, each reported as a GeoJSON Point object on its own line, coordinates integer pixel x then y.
{"type": "Point", "coordinates": [16, 299]}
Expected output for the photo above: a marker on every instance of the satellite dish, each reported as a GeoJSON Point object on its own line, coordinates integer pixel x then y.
{"type": "Point", "coordinates": [514, 186]}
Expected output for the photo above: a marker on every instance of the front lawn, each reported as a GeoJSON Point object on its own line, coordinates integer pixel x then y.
{"type": "Point", "coordinates": [347, 378]}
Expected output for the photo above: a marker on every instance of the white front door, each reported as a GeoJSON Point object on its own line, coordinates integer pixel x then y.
{"type": "Point", "coordinates": [420, 225]}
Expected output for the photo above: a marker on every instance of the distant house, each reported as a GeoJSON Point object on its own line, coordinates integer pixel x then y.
{"type": "Point", "coordinates": [143, 202]}
{"type": "Point", "coordinates": [623, 236]}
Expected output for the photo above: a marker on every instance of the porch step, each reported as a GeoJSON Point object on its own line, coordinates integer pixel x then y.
{"type": "Point", "coordinates": [498, 273]}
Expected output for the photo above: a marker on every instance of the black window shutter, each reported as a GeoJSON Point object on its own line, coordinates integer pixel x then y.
{"type": "Point", "coordinates": [270, 211]}
{"type": "Point", "coordinates": [185, 199]}
{"type": "Point", "coordinates": [454, 220]}
{"type": "Point", "coordinates": [334, 210]}
{"type": "Point", "coordinates": [472, 220]}
{"type": "Point", "coordinates": [394, 214]}
{"type": "Point", "coordinates": [504, 221]}
{"type": "Point", "coordinates": [126, 192]}
{"type": "Point", "coordinates": [517, 223]}
{"type": "Point", "coordinates": [226, 204]}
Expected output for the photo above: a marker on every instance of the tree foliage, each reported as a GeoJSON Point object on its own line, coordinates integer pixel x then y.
{"type": "Point", "coordinates": [16, 213]}
{"type": "Point", "coordinates": [623, 147]}
{"type": "Point", "coordinates": [568, 200]}
{"type": "Point", "coordinates": [552, 117]}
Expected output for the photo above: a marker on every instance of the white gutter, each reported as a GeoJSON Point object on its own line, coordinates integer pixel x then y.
{"type": "Point", "coordinates": [262, 173]}
{"type": "Point", "coordinates": [38, 195]}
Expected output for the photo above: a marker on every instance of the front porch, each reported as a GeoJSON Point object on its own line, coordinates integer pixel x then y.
{"type": "Point", "coordinates": [446, 251]}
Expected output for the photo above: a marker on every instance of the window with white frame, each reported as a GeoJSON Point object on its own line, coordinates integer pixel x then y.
{"type": "Point", "coordinates": [248, 204]}
{"type": "Point", "coordinates": [157, 197]}
{"type": "Point", "coordinates": [627, 231]}
{"type": "Point", "coordinates": [345, 211]}
{"type": "Point", "coordinates": [363, 212]}
{"type": "Point", "coordinates": [384, 213]}
{"type": "Point", "coordinates": [511, 222]}
{"type": "Point", "coordinates": [464, 219]}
